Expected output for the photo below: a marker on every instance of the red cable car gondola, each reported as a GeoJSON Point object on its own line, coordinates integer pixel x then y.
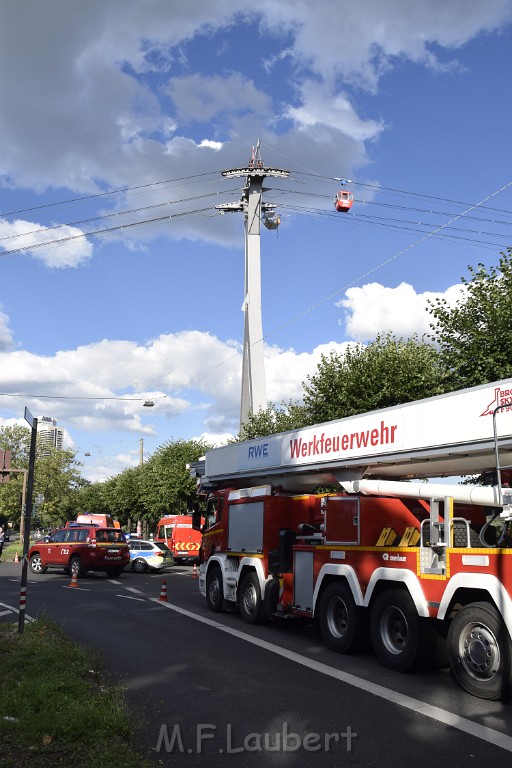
{"type": "Point", "coordinates": [343, 201]}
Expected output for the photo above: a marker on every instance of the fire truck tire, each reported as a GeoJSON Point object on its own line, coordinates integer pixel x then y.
{"type": "Point", "coordinates": [249, 599]}
{"type": "Point", "coordinates": [214, 590]}
{"type": "Point", "coordinates": [400, 641]}
{"type": "Point", "coordinates": [342, 624]}
{"type": "Point", "coordinates": [480, 652]}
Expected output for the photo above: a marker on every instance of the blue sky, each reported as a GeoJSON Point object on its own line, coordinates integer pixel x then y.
{"type": "Point", "coordinates": [120, 115]}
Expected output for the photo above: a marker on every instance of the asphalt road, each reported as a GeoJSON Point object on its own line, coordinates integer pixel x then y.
{"type": "Point", "coordinates": [208, 689]}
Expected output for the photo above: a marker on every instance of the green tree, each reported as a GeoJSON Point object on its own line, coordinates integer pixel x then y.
{"type": "Point", "coordinates": [385, 372]}
{"type": "Point", "coordinates": [475, 336]}
{"type": "Point", "coordinates": [57, 477]}
{"type": "Point", "coordinates": [166, 485]}
{"type": "Point", "coordinates": [270, 420]}
{"type": "Point", "coordinates": [11, 497]}
{"type": "Point", "coordinates": [123, 497]}
{"type": "Point", "coordinates": [91, 498]}
{"type": "Point", "coordinates": [17, 440]}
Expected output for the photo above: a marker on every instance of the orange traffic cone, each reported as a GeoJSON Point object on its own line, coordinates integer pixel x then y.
{"type": "Point", "coordinates": [16, 558]}
{"type": "Point", "coordinates": [74, 580]}
{"type": "Point", "coordinates": [163, 591]}
{"type": "Point", "coordinates": [194, 572]}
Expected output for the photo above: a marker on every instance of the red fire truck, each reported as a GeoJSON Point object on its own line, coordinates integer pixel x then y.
{"type": "Point", "coordinates": [176, 531]}
{"type": "Point", "coordinates": [422, 569]}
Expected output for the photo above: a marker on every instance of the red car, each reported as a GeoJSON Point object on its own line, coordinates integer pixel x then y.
{"type": "Point", "coordinates": [80, 548]}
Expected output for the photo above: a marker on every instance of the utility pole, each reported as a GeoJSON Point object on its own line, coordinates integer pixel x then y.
{"type": "Point", "coordinates": [28, 512]}
{"type": "Point", "coordinates": [253, 395]}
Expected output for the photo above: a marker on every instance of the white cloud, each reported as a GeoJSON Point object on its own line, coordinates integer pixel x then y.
{"type": "Point", "coordinates": [363, 41]}
{"type": "Point", "coordinates": [204, 98]}
{"type": "Point", "coordinates": [5, 332]}
{"type": "Point", "coordinates": [83, 116]}
{"type": "Point", "coordinates": [100, 387]}
{"type": "Point", "coordinates": [209, 144]}
{"type": "Point", "coordinates": [375, 308]}
{"type": "Point", "coordinates": [319, 107]}
{"type": "Point", "coordinates": [215, 439]}
{"type": "Point", "coordinates": [286, 370]}
{"type": "Point", "coordinates": [68, 245]}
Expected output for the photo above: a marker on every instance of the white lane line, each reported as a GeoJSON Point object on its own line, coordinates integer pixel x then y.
{"type": "Point", "coordinates": [4, 613]}
{"type": "Point", "coordinates": [132, 589]}
{"type": "Point", "coordinates": [129, 597]}
{"type": "Point", "coordinates": [497, 738]}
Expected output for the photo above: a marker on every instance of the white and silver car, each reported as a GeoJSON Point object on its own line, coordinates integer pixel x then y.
{"type": "Point", "coordinates": [149, 555]}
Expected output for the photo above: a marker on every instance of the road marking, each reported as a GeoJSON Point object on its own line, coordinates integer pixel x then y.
{"type": "Point", "coordinates": [132, 589]}
{"type": "Point", "coordinates": [11, 608]}
{"type": "Point", "coordinates": [113, 581]}
{"type": "Point", "coordinates": [129, 597]}
{"type": "Point", "coordinates": [5, 613]}
{"type": "Point", "coordinates": [482, 732]}
{"type": "Point", "coordinates": [79, 589]}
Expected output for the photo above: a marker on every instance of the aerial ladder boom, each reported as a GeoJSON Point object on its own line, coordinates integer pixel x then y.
{"type": "Point", "coordinates": [456, 434]}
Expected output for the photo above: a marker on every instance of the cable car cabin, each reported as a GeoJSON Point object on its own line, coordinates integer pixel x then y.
{"type": "Point", "coordinates": [271, 221]}
{"type": "Point", "coordinates": [343, 201]}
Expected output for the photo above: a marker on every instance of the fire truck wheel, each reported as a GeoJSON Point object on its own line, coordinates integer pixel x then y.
{"type": "Point", "coordinates": [341, 624]}
{"type": "Point", "coordinates": [249, 599]}
{"type": "Point", "coordinates": [480, 652]}
{"type": "Point", "coordinates": [214, 590]}
{"type": "Point", "coordinates": [397, 634]}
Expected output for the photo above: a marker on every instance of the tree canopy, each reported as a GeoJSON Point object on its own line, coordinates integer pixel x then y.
{"type": "Point", "coordinates": [57, 478]}
{"type": "Point", "coordinates": [386, 372]}
{"type": "Point", "coordinates": [475, 336]}
{"type": "Point", "coordinates": [274, 419]}
{"type": "Point", "coordinates": [160, 486]}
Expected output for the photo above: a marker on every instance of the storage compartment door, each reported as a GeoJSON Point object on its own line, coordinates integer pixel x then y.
{"type": "Point", "coordinates": [303, 581]}
{"type": "Point", "coordinates": [245, 532]}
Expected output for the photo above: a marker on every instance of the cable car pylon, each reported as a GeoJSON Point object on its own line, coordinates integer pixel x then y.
{"type": "Point", "coordinates": [253, 394]}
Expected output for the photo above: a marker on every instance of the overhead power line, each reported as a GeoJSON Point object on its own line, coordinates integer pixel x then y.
{"type": "Point", "coordinates": [110, 193]}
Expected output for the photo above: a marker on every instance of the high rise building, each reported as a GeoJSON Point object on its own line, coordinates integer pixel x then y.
{"type": "Point", "coordinates": [48, 433]}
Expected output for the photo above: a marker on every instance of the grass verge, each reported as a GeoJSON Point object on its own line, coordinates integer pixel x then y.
{"type": "Point", "coordinates": [55, 709]}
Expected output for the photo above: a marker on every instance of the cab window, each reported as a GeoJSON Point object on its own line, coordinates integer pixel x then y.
{"type": "Point", "coordinates": [58, 537]}
{"type": "Point", "coordinates": [212, 512]}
